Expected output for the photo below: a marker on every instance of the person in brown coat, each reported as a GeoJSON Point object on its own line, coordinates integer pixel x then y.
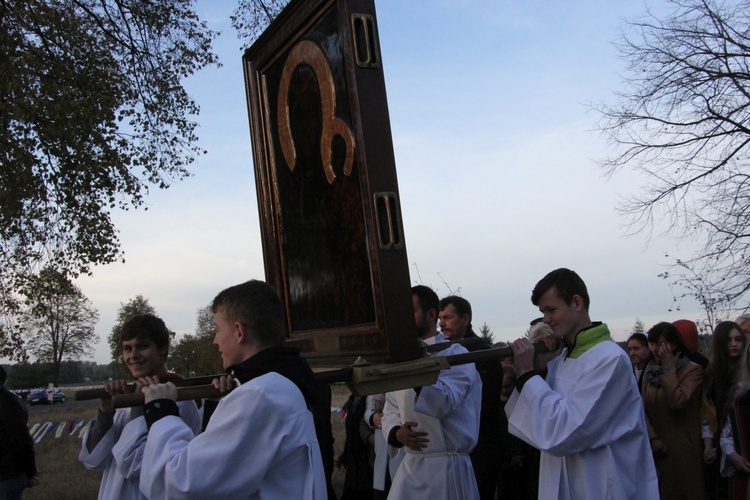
{"type": "Point", "coordinates": [672, 400]}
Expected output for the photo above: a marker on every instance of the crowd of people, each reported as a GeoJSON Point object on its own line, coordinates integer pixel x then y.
{"type": "Point", "coordinates": [696, 409]}
{"type": "Point", "coordinates": [570, 415]}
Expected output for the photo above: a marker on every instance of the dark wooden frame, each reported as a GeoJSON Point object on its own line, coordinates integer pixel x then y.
{"type": "Point", "coordinates": [326, 183]}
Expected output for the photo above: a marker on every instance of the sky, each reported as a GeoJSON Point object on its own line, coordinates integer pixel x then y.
{"type": "Point", "coordinates": [496, 153]}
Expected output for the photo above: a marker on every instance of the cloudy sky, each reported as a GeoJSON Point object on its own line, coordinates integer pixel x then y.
{"type": "Point", "coordinates": [496, 154]}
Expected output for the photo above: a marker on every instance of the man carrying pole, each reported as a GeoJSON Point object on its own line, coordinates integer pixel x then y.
{"type": "Point", "coordinates": [582, 408]}
{"type": "Point", "coordinates": [260, 441]}
{"type": "Point", "coordinates": [115, 442]}
{"type": "Point", "coordinates": [436, 425]}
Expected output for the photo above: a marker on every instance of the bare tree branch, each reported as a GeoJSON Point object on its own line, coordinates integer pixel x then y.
{"type": "Point", "coordinates": [682, 120]}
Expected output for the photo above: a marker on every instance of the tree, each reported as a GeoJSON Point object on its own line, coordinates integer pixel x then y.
{"type": "Point", "coordinates": [486, 333]}
{"type": "Point", "coordinates": [183, 355]}
{"type": "Point", "coordinates": [11, 341]}
{"type": "Point", "coordinates": [699, 288]}
{"type": "Point", "coordinates": [682, 121]}
{"type": "Point", "coordinates": [26, 375]}
{"type": "Point", "coordinates": [251, 17]}
{"type": "Point", "coordinates": [58, 320]}
{"type": "Point", "coordinates": [92, 115]}
{"type": "Point", "coordinates": [137, 305]}
{"type": "Point", "coordinates": [70, 373]}
{"type": "Point", "coordinates": [91, 371]}
{"type": "Point", "coordinates": [196, 355]}
{"type": "Point", "coordinates": [208, 360]}
{"type": "Point", "coordinates": [30, 375]}
{"type": "Point", "coordinates": [638, 327]}
{"type": "Point", "coordinates": [205, 326]}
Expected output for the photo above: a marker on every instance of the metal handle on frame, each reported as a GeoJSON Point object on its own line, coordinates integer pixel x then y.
{"type": "Point", "coordinates": [387, 218]}
{"type": "Point", "coordinates": [365, 37]}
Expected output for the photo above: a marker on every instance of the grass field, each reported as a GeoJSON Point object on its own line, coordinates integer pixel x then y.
{"type": "Point", "coordinates": [63, 477]}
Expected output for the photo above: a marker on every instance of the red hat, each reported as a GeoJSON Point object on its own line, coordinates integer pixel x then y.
{"type": "Point", "coordinates": [689, 331]}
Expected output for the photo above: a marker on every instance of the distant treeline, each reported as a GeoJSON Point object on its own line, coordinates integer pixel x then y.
{"type": "Point", "coordinates": [32, 375]}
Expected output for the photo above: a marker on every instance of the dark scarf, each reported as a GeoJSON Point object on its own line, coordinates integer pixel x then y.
{"type": "Point", "coordinates": [653, 371]}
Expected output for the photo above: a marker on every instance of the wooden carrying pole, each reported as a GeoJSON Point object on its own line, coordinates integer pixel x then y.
{"type": "Point", "coordinates": [362, 378]}
{"type": "Point", "coordinates": [196, 385]}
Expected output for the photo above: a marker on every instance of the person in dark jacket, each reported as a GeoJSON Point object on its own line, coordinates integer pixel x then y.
{"type": "Point", "coordinates": [17, 461]}
{"type": "Point", "coordinates": [356, 455]}
{"type": "Point", "coordinates": [519, 466]}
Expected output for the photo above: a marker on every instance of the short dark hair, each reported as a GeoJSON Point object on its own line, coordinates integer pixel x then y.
{"type": "Point", "coordinates": [461, 305]}
{"type": "Point", "coordinates": [3, 376]}
{"type": "Point", "coordinates": [566, 282]}
{"type": "Point", "coordinates": [667, 331]}
{"type": "Point", "coordinates": [427, 297]}
{"type": "Point", "coordinates": [640, 337]}
{"type": "Point", "coordinates": [257, 306]}
{"type": "Point", "coordinates": [146, 326]}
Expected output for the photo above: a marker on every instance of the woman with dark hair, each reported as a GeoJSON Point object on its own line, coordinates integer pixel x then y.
{"type": "Point", "coordinates": [728, 344]}
{"type": "Point", "coordinates": [734, 440]}
{"type": "Point", "coordinates": [672, 401]}
{"type": "Point", "coordinates": [639, 354]}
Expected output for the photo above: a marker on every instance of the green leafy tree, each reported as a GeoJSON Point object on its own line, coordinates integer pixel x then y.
{"type": "Point", "coordinates": [208, 360]}
{"type": "Point", "coordinates": [58, 321]}
{"type": "Point", "coordinates": [30, 375]}
{"type": "Point", "coordinates": [93, 372]}
{"type": "Point", "coordinates": [486, 333]}
{"type": "Point", "coordinates": [182, 355]}
{"type": "Point", "coordinates": [205, 327]}
{"type": "Point", "coordinates": [11, 341]}
{"type": "Point", "coordinates": [93, 114]}
{"type": "Point", "coordinates": [682, 122]}
{"type": "Point", "coordinates": [70, 373]}
{"type": "Point", "coordinates": [195, 354]}
{"type": "Point", "coordinates": [137, 305]}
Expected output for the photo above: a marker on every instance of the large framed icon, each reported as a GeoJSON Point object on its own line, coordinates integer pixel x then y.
{"type": "Point", "coordinates": [333, 239]}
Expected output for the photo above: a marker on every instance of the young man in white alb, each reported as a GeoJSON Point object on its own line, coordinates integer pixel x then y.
{"type": "Point", "coordinates": [115, 443]}
{"type": "Point", "coordinates": [260, 441]}
{"type": "Point", "coordinates": [581, 408]}
{"type": "Point", "coordinates": [437, 425]}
